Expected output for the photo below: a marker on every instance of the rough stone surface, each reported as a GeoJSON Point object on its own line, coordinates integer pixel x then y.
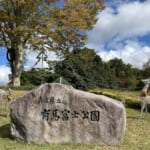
{"type": "Point", "coordinates": [56, 113]}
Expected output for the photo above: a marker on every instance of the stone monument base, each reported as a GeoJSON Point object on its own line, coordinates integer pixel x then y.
{"type": "Point", "coordinates": [57, 113]}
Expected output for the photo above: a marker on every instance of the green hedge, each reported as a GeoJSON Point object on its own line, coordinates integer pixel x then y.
{"type": "Point", "coordinates": [130, 101]}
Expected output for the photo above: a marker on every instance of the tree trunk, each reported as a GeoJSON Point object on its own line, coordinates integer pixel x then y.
{"type": "Point", "coordinates": [17, 65]}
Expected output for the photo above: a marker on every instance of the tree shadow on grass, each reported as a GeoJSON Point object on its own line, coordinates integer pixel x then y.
{"type": "Point", "coordinates": [5, 131]}
{"type": "Point", "coordinates": [137, 118]}
{"type": "Point", "coordinates": [133, 117]}
{"type": "Point", "coordinates": [3, 115]}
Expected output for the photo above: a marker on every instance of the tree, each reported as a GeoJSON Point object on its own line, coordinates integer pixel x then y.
{"type": "Point", "coordinates": [127, 76]}
{"type": "Point", "coordinates": [44, 24]}
{"type": "Point", "coordinates": [146, 70]}
{"type": "Point", "coordinates": [85, 70]}
{"type": "Point", "coordinates": [147, 64]}
{"type": "Point", "coordinates": [37, 76]}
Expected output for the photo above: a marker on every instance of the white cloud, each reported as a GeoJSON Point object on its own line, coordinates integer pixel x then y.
{"type": "Point", "coordinates": [132, 53]}
{"type": "Point", "coordinates": [31, 59]}
{"type": "Point", "coordinates": [4, 71]}
{"type": "Point", "coordinates": [128, 20]}
{"type": "Point", "coordinates": [116, 26]}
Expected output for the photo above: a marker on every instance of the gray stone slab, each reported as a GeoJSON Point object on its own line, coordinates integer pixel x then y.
{"type": "Point", "coordinates": [57, 113]}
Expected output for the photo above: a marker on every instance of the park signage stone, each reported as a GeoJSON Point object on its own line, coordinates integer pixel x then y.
{"type": "Point", "coordinates": [57, 113]}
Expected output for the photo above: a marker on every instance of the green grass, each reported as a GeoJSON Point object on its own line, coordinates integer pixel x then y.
{"type": "Point", "coordinates": [137, 137]}
{"type": "Point", "coordinates": [119, 93]}
{"type": "Point", "coordinates": [24, 87]}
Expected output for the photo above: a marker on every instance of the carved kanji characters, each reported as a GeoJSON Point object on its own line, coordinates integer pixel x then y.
{"type": "Point", "coordinates": [65, 115]}
{"type": "Point", "coordinates": [52, 100]}
{"type": "Point", "coordinates": [58, 100]}
{"type": "Point", "coordinates": [55, 115]}
{"type": "Point", "coordinates": [45, 114]}
{"type": "Point", "coordinates": [75, 114]}
{"type": "Point", "coordinates": [40, 100]}
{"type": "Point", "coordinates": [85, 115]}
{"type": "Point", "coordinates": [46, 99]}
{"type": "Point", "coordinates": [95, 115]}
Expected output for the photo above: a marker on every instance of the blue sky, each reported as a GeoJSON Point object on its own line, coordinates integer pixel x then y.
{"type": "Point", "coordinates": [122, 30]}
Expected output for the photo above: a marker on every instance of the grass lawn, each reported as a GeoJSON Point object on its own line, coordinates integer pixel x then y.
{"type": "Point", "coordinates": [137, 136]}
{"type": "Point", "coordinates": [119, 93]}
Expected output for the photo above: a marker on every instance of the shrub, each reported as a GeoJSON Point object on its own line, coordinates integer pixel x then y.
{"type": "Point", "coordinates": [130, 101]}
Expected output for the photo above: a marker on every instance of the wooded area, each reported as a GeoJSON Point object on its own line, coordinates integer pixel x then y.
{"type": "Point", "coordinates": [85, 70]}
{"type": "Point", "coordinates": [52, 25]}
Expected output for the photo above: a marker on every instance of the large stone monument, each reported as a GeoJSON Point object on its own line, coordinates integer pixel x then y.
{"type": "Point", "coordinates": [57, 113]}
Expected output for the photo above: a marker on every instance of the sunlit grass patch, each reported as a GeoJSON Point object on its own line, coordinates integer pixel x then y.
{"type": "Point", "coordinates": [17, 94]}
{"type": "Point", "coordinates": [136, 137]}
